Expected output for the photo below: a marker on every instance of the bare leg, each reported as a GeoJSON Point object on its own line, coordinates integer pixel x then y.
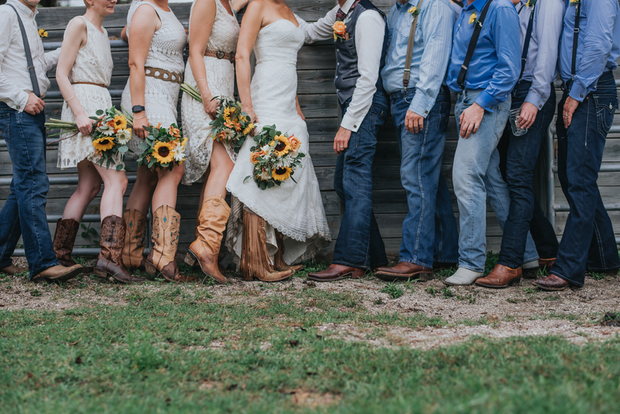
{"type": "Point", "coordinates": [140, 197]}
{"type": "Point", "coordinates": [114, 186]}
{"type": "Point", "coordinates": [89, 184]}
{"type": "Point", "coordinates": [221, 166]}
{"type": "Point", "coordinates": [166, 191]}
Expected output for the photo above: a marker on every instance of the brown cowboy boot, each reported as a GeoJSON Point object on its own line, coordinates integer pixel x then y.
{"type": "Point", "coordinates": [64, 239]}
{"type": "Point", "coordinates": [279, 263]}
{"type": "Point", "coordinates": [165, 238]}
{"type": "Point", "coordinates": [255, 259]}
{"type": "Point", "coordinates": [206, 248]}
{"type": "Point", "coordinates": [133, 248]}
{"type": "Point", "coordinates": [109, 263]}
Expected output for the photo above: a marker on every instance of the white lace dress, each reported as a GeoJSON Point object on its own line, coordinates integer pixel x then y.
{"type": "Point", "coordinates": [93, 64]}
{"type": "Point", "coordinates": [221, 81]}
{"type": "Point", "coordinates": [166, 52]}
{"type": "Point", "coordinates": [295, 209]}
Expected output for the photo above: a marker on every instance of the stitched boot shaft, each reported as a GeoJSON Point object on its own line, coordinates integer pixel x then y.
{"type": "Point", "coordinates": [109, 262]}
{"type": "Point", "coordinates": [135, 236]}
{"type": "Point", "coordinates": [210, 231]}
{"type": "Point", "coordinates": [64, 239]}
{"type": "Point", "coordinates": [255, 259]}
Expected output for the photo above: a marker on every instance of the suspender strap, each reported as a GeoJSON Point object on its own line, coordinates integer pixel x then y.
{"type": "Point", "coordinates": [528, 38]}
{"type": "Point", "coordinates": [573, 68]}
{"type": "Point", "coordinates": [414, 24]}
{"type": "Point", "coordinates": [33, 73]}
{"type": "Point", "coordinates": [472, 46]}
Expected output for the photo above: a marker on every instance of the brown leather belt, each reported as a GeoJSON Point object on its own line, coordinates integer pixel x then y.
{"type": "Point", "coordinates": [90, 83]}
{"type": "Point", "coordinates": [221, 55]}
{"type": "Point", "coordinates": [164, 75]}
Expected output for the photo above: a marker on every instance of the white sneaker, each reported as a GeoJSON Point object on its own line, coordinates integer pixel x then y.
{"type": "Point", "coordinates": [463, 277]}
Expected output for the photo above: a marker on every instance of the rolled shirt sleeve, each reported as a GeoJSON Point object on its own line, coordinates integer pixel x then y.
{"type": "Point", "coordinates": [369, 35]}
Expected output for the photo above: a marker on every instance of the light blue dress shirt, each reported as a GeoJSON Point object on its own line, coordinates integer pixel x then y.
{"type": "Point", "coordinates": [431, 51]}
{"type": "Point", "coordinates": [496, 63]}
{"type": "Point", "coordinates": [542, 57]}
{"type": "Point", "coordinates": [598, 46]}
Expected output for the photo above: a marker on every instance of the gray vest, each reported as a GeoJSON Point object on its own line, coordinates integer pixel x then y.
{"type": "Point", "coordinates": [346, 54]}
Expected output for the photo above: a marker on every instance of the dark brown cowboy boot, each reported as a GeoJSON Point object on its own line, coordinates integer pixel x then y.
{"type": "Point", "coordinates": [64, 239]}
{"type": "Point", "coordinates": [109, 263]}
{"type": "Point", "coordinates": [135, 237]}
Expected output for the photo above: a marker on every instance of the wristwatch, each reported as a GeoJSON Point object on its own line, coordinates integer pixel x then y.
{"type": "Point", "coordinates": [137, 108]}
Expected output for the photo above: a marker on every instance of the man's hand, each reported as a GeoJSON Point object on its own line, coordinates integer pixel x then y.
{"type": "Point", "coordinates": [570, 106]}
{"type": "Point", "coordinates": [341, 140]}
{"type": "Point", "coordinates": [470, 120]}
{"type": "Point", "coordinates": [414, 122]}
{"type": "Point", "coordinates": [34, 105]}
{"type": "Point", "coordinates": [528, 115]}
{"type": "Point", "coordinates": [139, 122]}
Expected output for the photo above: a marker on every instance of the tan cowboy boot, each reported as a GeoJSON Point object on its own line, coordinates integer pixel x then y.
{"type": "Point", "coordinates": [109, 263]}
{"type": "Point", "coordinates": [64, 239]}
{"type": "Point", "coordinates": [279, 263]}
{"type": "Point", "coordinates": [135, 236]}
{"type": "Point", "coordinates": [206, 248]}
{"type": "Point", "coordinates": [165, 238]}
{"type": "Point", "coordinates": [255, 259]}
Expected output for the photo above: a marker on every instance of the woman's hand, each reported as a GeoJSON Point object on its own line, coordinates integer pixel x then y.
{"type": "Point", "coordinates": [84, 124]}
{"type": "Point", "coordinates": [139, 122]}
{"type": "Point", "coordinates": [211, 106]}
{"type": "Point", "coordinates": [251, 114]}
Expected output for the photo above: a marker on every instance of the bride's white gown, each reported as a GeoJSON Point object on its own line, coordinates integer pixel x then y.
{"type": "Point", "coordinates": [295, 209]}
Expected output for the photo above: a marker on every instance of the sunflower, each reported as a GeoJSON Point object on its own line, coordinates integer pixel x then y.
{"type": "Point", "coordinates": [281, 145]}
{"type": "Point", "coordinates": [248, 129]}
{"type": "Point", "coordinates": [295, 142]}
{"type": "Point", "coordinates": [255, 155]}
{"type": "Point", "coordinates": [162, 151]}
{"type": "Point", "coordinates": [42, 33]}
{"type": "Point", "coordinates": [103, 143]}
{"type": "Point", "coordinates": [473, 18]}
{"type": "Point", "coordinates": [120, 122]}
{"type": "Point", "coordinates": [281, 173]}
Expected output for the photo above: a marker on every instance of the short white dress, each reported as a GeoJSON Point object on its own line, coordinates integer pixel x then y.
{"type": "Point", "coordinates": [166, 52]}
{"type": "Point", "coordinates": [221, 81]}
{"type": "Point", "coordinates": [93, 65]}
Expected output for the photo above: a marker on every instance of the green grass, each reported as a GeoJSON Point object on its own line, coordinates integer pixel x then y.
{"type": "Point", "coordinates": [393, 290]}
{"type": "Point", "coordinates": [154, 354]}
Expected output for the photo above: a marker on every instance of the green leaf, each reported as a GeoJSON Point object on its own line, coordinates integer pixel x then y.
{"type": "Point", "coordinates": [143, 146]}
{"type": "Point", "coordinates": [119, 167]}
{"type": "Point", "coordinates": [99, 112]}
{"type": "Point", "coordinates": [92, 231]}
{"type": "Point", "coordinates": [123, 149]}
{"type": "Point", "coordinates": [246, 178]}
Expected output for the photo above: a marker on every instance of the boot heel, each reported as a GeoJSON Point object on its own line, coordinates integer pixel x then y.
{"type": "Point", "coordinates": [151, 269]}
{"type": "Point", "coordinates": [189, 259]}
{"type": "Point", "coordinates": [100, 273]}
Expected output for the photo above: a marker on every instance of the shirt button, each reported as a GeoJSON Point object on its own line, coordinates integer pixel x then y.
{"type": "Point", "coordinates": [354, 126]}
{"type": "Point", "coordinates": [581, 96]}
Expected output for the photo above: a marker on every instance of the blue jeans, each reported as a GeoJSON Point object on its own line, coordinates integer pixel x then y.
{"type": "Point", "coordinates": [420, 173]}
{"type": "Point", "coordinates": [521, 158]}
{"type": "Point", "coordinates": [23, 213]}
{"type": "Point", "coordinates": [446, 229]}
{"type": "Point", "coordinates": [588, 238]}
{"type": "Point", "coordinates": [359, 242]}
{"type": "Point", "coordinates": [476, 176]}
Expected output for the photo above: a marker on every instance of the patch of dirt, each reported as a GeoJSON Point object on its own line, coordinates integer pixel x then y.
{"type": "Point", "coordinates": [311, 399]}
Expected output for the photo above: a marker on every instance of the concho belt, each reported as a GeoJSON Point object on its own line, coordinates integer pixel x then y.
{"type": "Point", "coordinates": [221, 55]}
{"type": "Point", "coordinates": [164, 75]}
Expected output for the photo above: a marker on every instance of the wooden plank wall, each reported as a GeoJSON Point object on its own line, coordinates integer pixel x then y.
{"type": "Point", "coordinates": [316, 65]}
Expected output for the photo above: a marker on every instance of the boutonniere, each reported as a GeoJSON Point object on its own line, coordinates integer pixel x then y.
{"type": "Point", "coordinates": [474, 19]}
{"type": "Point", "coordinates": [414, 11]}
{"type": "Point", "coordinates": [530, 3]}
{"type": "Point", "coordinates": [340, 30]}
{"type": "Point", "coordinates": [574, 2]}
{"type": "Point", "coordinates": [42, 33]}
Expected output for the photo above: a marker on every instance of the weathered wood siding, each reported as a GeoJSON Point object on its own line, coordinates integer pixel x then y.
{"type": "Point", "coordinates": [316, 65]}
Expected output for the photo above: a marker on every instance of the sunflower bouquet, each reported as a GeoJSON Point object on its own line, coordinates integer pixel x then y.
{"type": "Point", "coordinates": [275, 157]}
{"type": "Point", "coordinates": [110, 134]}
{"type": "Point", "coordinates": [163, 147]}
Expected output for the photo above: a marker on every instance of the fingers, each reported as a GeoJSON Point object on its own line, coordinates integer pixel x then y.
{"type": "Point", "coordinates": [419, 125]}
{"type": "Point", "coordinates": [470, 128]}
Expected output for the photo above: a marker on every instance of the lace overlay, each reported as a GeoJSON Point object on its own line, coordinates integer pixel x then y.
{"type": "Point", "coordinates": [294, 209]}
{"type": "Point", "coordinates": [221, 80]}
{"type": "Point", "coordinates": [92, 64]}
{"type": "Point", "coordinates": [165, 52]}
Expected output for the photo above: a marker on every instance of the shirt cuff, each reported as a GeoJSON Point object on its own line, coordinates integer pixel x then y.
{"type": "Point", "coordinates": [487, 101]}
{"type": "Point", "coordinates": [578, 91]}
{"type": "Point", "coordinates": [421, 104]}
{"type": "Point", "coordinates": [20, 102]}
{"type": "Point", "coordinates": [350, 123]}
{"type": "Point", "coordinates": [535, 99]}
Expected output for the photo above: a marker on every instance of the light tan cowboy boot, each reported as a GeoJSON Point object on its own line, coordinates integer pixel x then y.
{"type": "Point", "coordinates": [109, 263]}
{"type": "Point", "coordinates": [255, 259]}
{"type": "Point", "coordinates": [135, 236]}
{"type": "Point", "coordinates": [165, 238]}
{"type": "Point", "coordinates": [205, 249]}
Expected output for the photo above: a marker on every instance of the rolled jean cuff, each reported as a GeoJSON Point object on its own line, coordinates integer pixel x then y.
{"type": "Point", "coordinates": [469, 268]}
{"type": "Point", "coordinates": [415, 262]}
{"type": "Point", "coordinates": [572, 282]}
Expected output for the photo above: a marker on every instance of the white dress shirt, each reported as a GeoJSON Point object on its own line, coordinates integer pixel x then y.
{"type": "Point", "coordinates": [15, 84]}
{"type": "Point", "coordinates": [369, 34]}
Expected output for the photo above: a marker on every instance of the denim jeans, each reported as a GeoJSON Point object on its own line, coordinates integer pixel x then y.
{"type": "Point", "coordinates": [420, 172]}
{"type": "Point", "coordinates": [359, 242]}
{"type": "Point", "coordinates": [521, 159]}
{"type": "Point", "coordinates": [476, 176]}
{"type": "Point", "coordinates": [588, 238]}
{"type": "Point", "coordinates": [446, 229]}
{"type": "Point", "coordinates": [23, 213]}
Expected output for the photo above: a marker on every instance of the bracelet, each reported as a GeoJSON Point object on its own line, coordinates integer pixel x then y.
{"type": "Point", "coordinates": [143, 116]}
{"type": "Point", "coordinates": [70, 98]}
{"type": "Point", "coordinates": [198, 80]}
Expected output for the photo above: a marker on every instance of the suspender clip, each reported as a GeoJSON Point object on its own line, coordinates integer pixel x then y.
{"type": "Point", "coordinates": [576, 30]}
{"type": "Point", "coordinates": [464, 67]}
